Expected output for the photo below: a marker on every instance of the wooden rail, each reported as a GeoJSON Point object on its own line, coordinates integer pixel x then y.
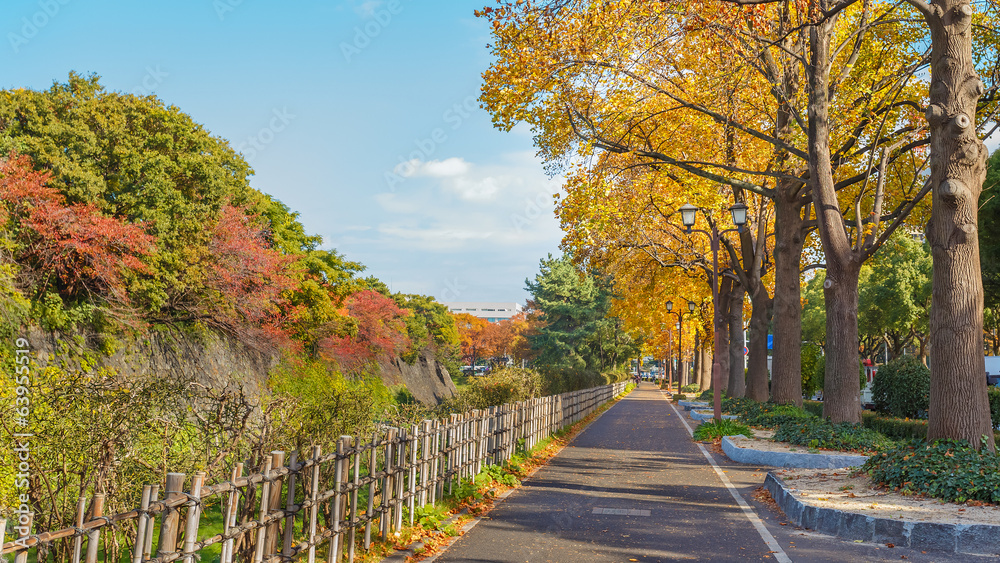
{"type": "Point", "coordinates": [342, 499]}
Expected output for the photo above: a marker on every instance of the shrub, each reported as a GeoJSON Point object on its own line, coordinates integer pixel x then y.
{"type": "Point", "coordinates": [902, 388]}
{"type": "Point", "coordinates": [816, 433]}
{"type": "Point", "coordinates": [691, 388]}
{"type": "Point", "coordinates": [814, 408]}
{"type": "Point", "coordinates": [994, 396]}
{"type": "Point", "coordinates": [680, 397]}
{"type": "Point", "coordinates": [712, 429]}
{"type": "Point", "coordinates": [812, 375]}
{"type": "Point", "coordinates": [707, 395]}
{"type": "Point", "coordinates": [947, 469]}
{"type": "Point", "coordinates": [767, 415]}
{"type": "Point", "coordinates": [895, 428]}
{"type": "Point", "coordinates": [505, 385]}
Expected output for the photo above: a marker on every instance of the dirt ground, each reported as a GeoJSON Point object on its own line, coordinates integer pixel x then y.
{"type": "Point", "coordinates": [843, 489]}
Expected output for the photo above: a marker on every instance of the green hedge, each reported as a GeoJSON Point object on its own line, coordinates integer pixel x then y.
{"type": "Point", "coordinates": [896, 428]}
{"type": "Point", "coordinates": [902, 388]}
{"type": "Point", "coordinates": [814, 408]}
{"type": "Point", "coordinates": [995, 406]}
{"type": "Point", "coordinates": [947, 469]}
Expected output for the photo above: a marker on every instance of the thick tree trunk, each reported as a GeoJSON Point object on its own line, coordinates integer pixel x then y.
{"type": "Point", "coordinates": [958, 400]}
{"type": "Point", "coordinates": [842, 380]}
{"type": "Point", "coordinates": [786, 363]}
{"type": "Point", "coordinates": [757, 384]}
{"type": "Point", "coordinates": [737, 373]}
{"type": "Point", "coordinates": [720, 353]}
{"type": "Point", "coordinates": [841, 386]}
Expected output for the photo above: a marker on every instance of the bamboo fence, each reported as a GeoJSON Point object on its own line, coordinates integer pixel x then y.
{"type": "Point", "coordinates": [338, 500]}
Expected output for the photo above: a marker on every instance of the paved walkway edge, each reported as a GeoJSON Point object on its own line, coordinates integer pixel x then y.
{"type": "Point", "coordinates": [789, 459]}
{"type": "Point", "coordinates": [971, 539]}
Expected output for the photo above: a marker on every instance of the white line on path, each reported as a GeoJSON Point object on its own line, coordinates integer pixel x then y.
{"type": "Point", "coordinates": [772, 544]}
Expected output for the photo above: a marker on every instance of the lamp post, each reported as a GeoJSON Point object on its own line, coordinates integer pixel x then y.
{"type": "Point", "coordinates": [680, 336]}
{"type": "Point", "coordinates": [739, 212]}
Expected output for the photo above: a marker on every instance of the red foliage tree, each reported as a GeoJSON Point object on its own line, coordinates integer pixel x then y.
{"type": "Point", "coordinates": [70, 247]}
{"type": "Point", "coordinates": [381, 332]}
{"type": "Point", "coordinates": [246, 276]}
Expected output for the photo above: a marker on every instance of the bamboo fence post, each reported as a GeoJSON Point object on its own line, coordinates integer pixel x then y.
{"type": "Point", "coordinates": [452, 452]}
{"type": "Point", "coordinates": [273, 529]}
{"type": "Point", "coordinates": [22, 556]}
{"type": "Point", "coordinates": [355, 489]}
{"type": "Point", "coordinates": [140, 526]}
{"type": "Point", "coordinates": [372, 469]}
{"type": "Point", "coordinates": [3, 533]}
{"type": "Point", "coordinates": [229, 517]}
{"type": "Point", "coordinates": [81, 513]}
{"type": "Point", "coordinates": [171, 517]}
{"type": "Point", "coordinates": [265, 496]}
{"type": "Point", "coordinates": [193, 517]}
{"type": "Point", "coordinates": [402, 463]}
{"type": "Point", "coordinates": [314, 503]}
{"type": "Point", "coordinates": [477, 431]}
{"type": "Point", "coordinates": [334, 548]}
{"type": "Point", "coordinates": [435, 458]}
{"type": "Point", "coordinates": [412, 497]}
{"type": "Point", "coordinates": [290, 510]}
{"type": "Point", "coordinates": [388, 485]}
{"type": "Point", "coordinates": [147, 550]}
{"type": "Point", "coordinates": [94, 536]}
{"type": "Point", "coordinates": [425, 445]}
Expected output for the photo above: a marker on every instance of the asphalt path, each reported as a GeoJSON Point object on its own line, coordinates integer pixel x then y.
{"type": "Point", "coordinates": [633, 486]}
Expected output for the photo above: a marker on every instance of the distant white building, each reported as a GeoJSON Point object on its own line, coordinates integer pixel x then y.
{"type": "Point", "coordinates": [492, 312]}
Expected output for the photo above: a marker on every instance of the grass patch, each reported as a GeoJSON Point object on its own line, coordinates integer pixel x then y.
{"type": "Point", "coordinates": [716, 429]}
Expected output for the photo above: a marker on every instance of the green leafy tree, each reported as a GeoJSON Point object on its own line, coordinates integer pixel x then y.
{"type": "Point", "coordinates": [896, 296]}
{"type": "Point", "coordinates": [576, 333]}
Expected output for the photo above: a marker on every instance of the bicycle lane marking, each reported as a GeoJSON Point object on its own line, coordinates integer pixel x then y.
{"type": "Point", "coordinates": [772, 544]}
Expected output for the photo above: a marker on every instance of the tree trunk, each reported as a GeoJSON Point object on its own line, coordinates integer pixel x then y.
{"type": "Point", "coordinates": [841, 386]}
{"type": "Point", "coordinates": [720, 353]}
{"type": "Point", "coordinates": [786, 363]}
{"type": "Point", "coordinates": [842, 381]}
{"type": "Point", "coordinates": [959, 408]}
{"type": "Point", "coordinates": [737, 373]}
{"type": "Point", "coordinates": [705, 367]}
{"type": "Point", "coordinates": [757, 384]}
{"type": "Point", "coordinates": [696, 360]}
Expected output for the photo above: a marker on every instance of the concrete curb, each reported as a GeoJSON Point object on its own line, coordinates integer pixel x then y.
{"type": "Point", "coordinates": [970, 539]}
{"type": "Point", "coordinates": [708, 415]}
{"type": "Point", "coordinates": [688, 405]}
{"type": "Point", "coordinates": [789, 459]}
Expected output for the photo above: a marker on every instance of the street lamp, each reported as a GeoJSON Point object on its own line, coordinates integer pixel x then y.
{"type": "Point", "coordinates": [739, 213]}
{"type": "Point", "coordinates": [680, 344]}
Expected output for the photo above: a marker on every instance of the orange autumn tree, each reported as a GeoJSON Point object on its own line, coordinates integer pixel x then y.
{"type": "Point", "coordinates": [711, 97]}
{"type": "Point", "coordinates": [472, 334]}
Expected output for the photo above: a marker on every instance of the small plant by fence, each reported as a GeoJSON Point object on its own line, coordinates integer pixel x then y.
{"type": "Point", "coordinates": [328, 504]}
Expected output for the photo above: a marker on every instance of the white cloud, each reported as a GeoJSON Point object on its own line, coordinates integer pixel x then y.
{"type": "Point", "coordinates": [447, 168]}
{"type": "Point", "coordinates": [454, 205]}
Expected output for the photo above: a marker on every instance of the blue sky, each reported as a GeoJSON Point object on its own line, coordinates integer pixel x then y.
{"type": "Point", "coordinates": [359, 114]}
